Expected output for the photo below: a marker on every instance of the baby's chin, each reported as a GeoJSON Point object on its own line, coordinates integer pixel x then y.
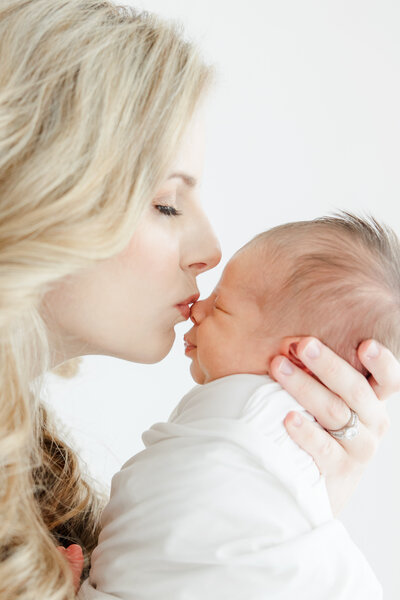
{"type": "Point", "coordinates": [201, 378]}
{"type": "Point", "coordinates": [212, 372]}
{"type": "Point", "coordinates": [197, 375]}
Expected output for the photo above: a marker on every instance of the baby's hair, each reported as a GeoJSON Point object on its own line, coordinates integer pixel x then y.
{"type": "Point", "coordinates": [339, 280]}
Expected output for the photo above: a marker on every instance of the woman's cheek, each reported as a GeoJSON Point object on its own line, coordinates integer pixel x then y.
{"type": "Point", "coordinates": [152, 248]}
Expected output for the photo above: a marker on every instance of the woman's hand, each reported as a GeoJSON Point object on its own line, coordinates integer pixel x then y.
{"type": "Point", "coordinates": [342, 462]}
{"type": "Point", "coordinates": [74, 556]}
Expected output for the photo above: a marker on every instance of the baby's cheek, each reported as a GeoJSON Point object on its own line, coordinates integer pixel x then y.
{"type": "Point", "coordinates": [221, 360]}
{"type": "Point", "coordinates": [232, 355]}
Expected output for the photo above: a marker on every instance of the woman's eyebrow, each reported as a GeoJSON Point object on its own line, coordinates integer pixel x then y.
{"type": "Point", "coordinates": [188, 179]}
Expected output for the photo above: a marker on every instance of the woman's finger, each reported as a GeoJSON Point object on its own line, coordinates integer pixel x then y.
{"type": "Point", "coordinates": [316, 441]}
{"type": "Point", "coordinates": [328, 409]}
{"type": "Point", "coordinates": [383, 366]}
{"type": "Point", "coordinates": [346, 386]}
{"type": "Point", "coordinates": [327, 450]}
{"type": "Point", "coordinates": [327, 386]}
{"type": "Point", "coordinates": [342, 473]}
{"type": "Point", "coordinates": [331, 413]}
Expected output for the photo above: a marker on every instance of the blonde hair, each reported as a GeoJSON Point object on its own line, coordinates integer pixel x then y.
{"type": "Point", "coordinates": [339, 280]}
{"type": "Point", "coordinates": [94, 99]}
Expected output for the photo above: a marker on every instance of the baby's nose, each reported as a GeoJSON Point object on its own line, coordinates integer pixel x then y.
{"type": "Point", "coordinates": [192, 317]}
{"type": "Point", "coordinates": [200, 310]}
{"type": "Point", "coordinates": [197, 312]}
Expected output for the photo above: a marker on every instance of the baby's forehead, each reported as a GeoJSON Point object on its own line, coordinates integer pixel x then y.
{"type": "Point", "coordinates": [250, 260]}
{"type": "Point", "coordinates": [240, 265]}
{"type": "Point", "coordinates": [258, 271]}
{"type": "Point", "coordinates": [244, 274]}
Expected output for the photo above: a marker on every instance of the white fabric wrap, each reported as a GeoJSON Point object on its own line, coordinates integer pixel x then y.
{"type": "Point", "coordinates": [222, 504]}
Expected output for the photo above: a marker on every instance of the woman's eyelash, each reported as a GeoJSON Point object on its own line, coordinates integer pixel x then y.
{"type": "Point", "coordinates": [169, 211]}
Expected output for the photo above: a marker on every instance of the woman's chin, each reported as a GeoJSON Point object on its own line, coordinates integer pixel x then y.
{"type": "Point", "coordinates": [164, 349]}
{"type": "Point", "coordinates": [154, 353]}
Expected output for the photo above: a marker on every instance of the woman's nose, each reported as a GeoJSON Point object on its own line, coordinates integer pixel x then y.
{"type": "Point", "coordinates": [210, 259]}
{"type": "Point", "coordinates": [203, 248]}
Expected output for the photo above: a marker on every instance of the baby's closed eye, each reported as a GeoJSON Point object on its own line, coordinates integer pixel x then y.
{"type": "Point", "coordinates": [221, 309]}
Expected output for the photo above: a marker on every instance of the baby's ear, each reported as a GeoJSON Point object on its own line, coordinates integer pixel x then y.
{"type": "Point", "coordinates": [288, 348]}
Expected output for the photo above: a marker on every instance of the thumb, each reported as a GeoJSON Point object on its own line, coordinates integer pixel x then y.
{"type": "Point", "coordinates": [74, 552]}
{"type": "Point", "coordinates": [75, 557]}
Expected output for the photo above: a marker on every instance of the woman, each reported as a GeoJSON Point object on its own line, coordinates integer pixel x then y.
{"type": "Point", "coordinates": [100, 148]}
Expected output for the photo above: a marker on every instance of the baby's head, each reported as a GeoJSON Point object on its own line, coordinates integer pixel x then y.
{"type": "Point", "coordinates": [335, 278]}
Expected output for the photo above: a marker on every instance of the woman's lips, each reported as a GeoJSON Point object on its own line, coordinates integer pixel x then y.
{"type": "Point", "coordinates": [184, 309]}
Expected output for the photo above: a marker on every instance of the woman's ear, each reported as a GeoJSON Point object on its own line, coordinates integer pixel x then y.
{"type": "Point", "coordinates": [288, 348]}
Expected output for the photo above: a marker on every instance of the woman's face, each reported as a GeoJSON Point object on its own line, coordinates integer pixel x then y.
{"type": "Point", "coordinates": [125, 306]}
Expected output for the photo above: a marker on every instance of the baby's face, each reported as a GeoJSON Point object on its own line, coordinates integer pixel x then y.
{"type": "Point", "coordinates": [225, 337]}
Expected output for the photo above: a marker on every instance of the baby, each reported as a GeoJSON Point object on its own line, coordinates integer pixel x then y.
{"type": "Point", "coordinates": [222, 503]}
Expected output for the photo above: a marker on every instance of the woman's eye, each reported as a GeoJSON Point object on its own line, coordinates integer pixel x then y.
{"type": "Point", "coordinates": [170, 211]}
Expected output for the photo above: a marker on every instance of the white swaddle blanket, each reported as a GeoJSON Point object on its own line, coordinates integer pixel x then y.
{"type": "Point", "coordinates": [222, 504]}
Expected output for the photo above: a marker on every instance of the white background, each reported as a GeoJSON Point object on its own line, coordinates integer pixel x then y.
{"type": "Point", "coordinates": [305, 120]}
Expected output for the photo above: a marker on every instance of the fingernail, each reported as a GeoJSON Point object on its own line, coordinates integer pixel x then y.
{"type": "Point", "coordinates": [74, 549]}
{"type": "Point", "coordinates": [313, 349]}
{"type": "Point", "coordinates": [286, 367]}
{"type": "Point", "coordinates": [296, 420]}
{"type": "Point", "coordinates": [373, 350]}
